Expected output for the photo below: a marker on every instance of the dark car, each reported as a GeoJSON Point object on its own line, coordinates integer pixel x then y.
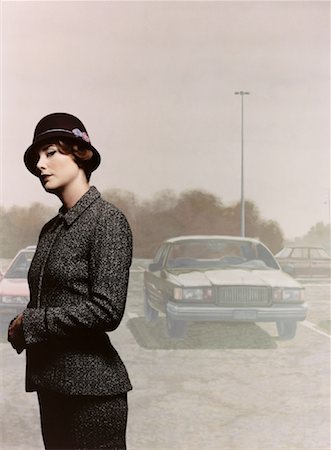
{"type": "Point", "coordinates": [220, 278]}
{"type": "Point", "coordinates": [14, 289]}
{"type": "Point", "coordinates": [305, 261]}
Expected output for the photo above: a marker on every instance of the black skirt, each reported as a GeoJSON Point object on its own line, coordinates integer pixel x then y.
{"type": "Point", "coordinates": [83, 421]}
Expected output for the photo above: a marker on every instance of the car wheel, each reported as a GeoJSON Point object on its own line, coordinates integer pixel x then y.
{"type": "Point", "coordinates": [151, 314]}
{"type": "Point", "coordinates": [175, 328]}
{"type": "Point", "coordinates": [286, 329]}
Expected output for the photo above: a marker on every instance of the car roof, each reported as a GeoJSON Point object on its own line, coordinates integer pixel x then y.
{"type": "Point", "coordinates": [209, 237]}
{"type": "Point", "coordinates": [28, 249]}
{"type": "Point", "coordinates": [304, 246]}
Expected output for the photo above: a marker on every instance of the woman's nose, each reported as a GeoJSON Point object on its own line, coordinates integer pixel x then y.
{"type": "Point", "coordinates": [41, 163]}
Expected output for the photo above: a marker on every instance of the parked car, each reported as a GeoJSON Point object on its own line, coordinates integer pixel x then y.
{"type": "Point", "coordinates": [305, 261]}
{"type": "Point", "coordinates": [14, 289]}
{"type": "Point", "coordinates": [220, 278]}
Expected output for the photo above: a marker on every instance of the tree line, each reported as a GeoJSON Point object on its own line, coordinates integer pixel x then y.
{"type": "Point", "coordinates": [165, 215]}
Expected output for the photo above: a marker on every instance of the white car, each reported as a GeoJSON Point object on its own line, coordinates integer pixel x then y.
{"type": "Point", "coordinates": [220, 278]}
{"type": "Point", "coordinates": [300, 261]}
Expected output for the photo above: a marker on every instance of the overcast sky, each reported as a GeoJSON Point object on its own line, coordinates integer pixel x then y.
{"type": "Point", "coordinates": [154, 84]}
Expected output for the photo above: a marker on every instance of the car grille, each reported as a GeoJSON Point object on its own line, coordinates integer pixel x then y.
{"type": "Point", "coordinates": [244, 296]}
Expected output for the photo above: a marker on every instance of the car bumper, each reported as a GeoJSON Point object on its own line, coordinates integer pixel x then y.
{"type": "Point", "coordinates": [208, 313]}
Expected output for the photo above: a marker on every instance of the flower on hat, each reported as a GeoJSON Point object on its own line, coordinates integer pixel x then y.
{"type": "Point", "coordinates": [81, 134]}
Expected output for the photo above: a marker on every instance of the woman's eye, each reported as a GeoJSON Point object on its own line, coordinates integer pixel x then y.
{"type": "Point", "coordinates": [50, 153]}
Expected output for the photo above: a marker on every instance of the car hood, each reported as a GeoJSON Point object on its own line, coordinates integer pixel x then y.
{"type": "Point", "coordinates": [237, 277]}
{"type": "Point", "coordinates": [13, 286]}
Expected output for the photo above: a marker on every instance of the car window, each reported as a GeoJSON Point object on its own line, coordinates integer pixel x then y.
{"type": "Point", "coordinates": [300, 253]}
{"type": "Point", "coordinates": [160, 254]}
{"type": "Point", "coordinates": [20, 266]}
{"type": "Point", "coordinates": [284, 253]}
{"type": "Point", "coordinates": [318, 253]}
{"type": "Point", "coordinates": [264, 255]}
{"type": "Point", "coordinates": [221, 253]}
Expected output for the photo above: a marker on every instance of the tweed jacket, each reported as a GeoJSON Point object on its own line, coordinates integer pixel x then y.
{"type": "Point", "coordinates": [78, 282]}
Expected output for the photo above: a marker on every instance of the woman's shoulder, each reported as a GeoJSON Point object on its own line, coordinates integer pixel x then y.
{"type": "Point", "coordinates": [107, 211]}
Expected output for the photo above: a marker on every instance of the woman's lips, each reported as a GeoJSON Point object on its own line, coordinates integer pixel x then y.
{"type": "Point", "coordinates": [45, 178]}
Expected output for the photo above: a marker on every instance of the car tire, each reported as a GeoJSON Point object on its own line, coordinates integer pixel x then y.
{"type": "Point", "coordinates": [175, 328]}
{"type": "Point", "coordinates": [286, 329]}
{"type": "Point", "coordinates": [151, 315]}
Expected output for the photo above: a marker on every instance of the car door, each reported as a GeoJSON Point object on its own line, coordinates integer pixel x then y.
{"type": "Point", "coordinates": [320, 262]}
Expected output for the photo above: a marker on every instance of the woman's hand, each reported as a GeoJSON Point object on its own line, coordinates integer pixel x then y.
{"type": "Point", "coordinates": [16, 335]}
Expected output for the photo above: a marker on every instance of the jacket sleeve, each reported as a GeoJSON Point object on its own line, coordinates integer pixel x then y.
{"type": "Point", "coordinates": [110, 260]}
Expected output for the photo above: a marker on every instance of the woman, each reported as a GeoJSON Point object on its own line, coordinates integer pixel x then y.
{"type": "Point", "coordinates": [78, 284]}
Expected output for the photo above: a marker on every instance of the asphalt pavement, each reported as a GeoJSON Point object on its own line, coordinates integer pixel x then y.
{"type": "Point", "coordinates": [224, 386]}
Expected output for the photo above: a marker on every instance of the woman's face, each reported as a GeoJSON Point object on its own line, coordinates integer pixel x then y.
{"type": "Point", "coordinates": [57, 170]}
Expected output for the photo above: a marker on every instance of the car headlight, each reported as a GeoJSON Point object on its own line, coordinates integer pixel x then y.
{"type": "Point", "coordinates": [12, 299]}
{"type": "Point", "coordinates": [292, 294]}
{"type": "Point", "coordinates": [288, 295]}
{"type": "Point", "coordinates": [193, 293]}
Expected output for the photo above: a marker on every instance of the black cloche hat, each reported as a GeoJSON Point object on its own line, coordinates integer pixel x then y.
{"type": "Point", "coordinates": [59, 126]}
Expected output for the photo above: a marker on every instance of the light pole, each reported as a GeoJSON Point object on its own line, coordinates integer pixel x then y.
{"type": "Point", "coordinates": [242, 202]}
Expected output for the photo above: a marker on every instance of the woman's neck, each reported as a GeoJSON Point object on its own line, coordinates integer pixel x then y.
{"type": "Point", "coordinates": [70, 195]}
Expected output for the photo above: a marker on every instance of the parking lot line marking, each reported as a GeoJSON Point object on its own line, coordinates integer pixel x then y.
{"type": "Point", "coordinates": [138, 269]}
{"type": "Point", "coordinates": [311, 326]}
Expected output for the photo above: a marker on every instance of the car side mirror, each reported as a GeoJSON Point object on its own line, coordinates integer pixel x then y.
{"type": "Point", "coordinates": [153, 267]}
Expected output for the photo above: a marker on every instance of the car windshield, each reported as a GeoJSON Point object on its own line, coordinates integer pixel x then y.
{"type": "Point", "coordinates": [20, 266]}
{"type": "Point", "coordinates": [284, 253]}
{"type": "Point", "coordinates": [220, 253]}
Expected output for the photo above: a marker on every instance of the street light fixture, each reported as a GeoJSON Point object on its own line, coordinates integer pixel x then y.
{"type": "Point", "coordinates": [242, 202]}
